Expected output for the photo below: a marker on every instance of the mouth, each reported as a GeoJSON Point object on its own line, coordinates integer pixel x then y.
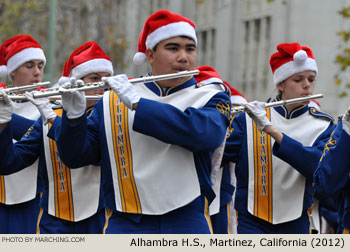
{"type": "Point", "coordinates": [180, 69]}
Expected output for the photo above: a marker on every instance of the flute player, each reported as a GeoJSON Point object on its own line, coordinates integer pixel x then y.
{"type": "Point", "coordinates": [276, 150]}
{"type": "Point", "coordinates": [155, 139]}
{"type": "Point", "coordinates": [72, 201]}
{"type": "Point", "coordinates": [22, 61]}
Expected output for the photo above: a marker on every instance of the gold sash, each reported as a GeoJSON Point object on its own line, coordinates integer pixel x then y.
{"type": "Point", "coordinates": [123, 155]}
{"type": "Point", "coordinates": [62, 183]}
{"type": "Point", "coordinates": [262, 173]}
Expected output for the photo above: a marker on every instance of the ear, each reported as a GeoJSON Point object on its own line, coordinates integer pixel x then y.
{"type": "Point", "coordinates": [149, 55]}
{"type": "Point", "coordinates": [280, 86]}
{"type": "Point", "coordinates": [12, 74]}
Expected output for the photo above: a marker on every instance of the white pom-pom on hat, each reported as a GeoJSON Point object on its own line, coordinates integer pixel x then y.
{"type": "Point", "coordinates": [300, 57]}
{"type": "Point", "coordinates": [139, 58]}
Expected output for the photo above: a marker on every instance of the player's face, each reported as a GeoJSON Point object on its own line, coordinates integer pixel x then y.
{"type": "Point", "coordinates": [90, 78]}
{"type": "Point", "coordinates": [173, 55]}
{"type": "Point", "coordinates": [298, 85]}
{"type": "Point", "coordinates": [28, 73]}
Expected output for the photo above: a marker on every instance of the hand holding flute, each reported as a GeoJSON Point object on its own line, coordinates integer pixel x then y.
{"type": "Point", "coordinates": [99, 85]}
{"type": "Point", "coordinates": [241, 109]}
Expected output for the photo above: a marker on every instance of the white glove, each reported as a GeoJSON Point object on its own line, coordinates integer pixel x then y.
{"type": "Point", "coordinates": [43, 105]}
{"type": "Point", "coordinates": [73, 102]}
{"type": "Point", "coordinates": [6, 107]}
{"type": "Point", "coordinates": [346, 121]}
{"type": "Point", "coordinates": [256, 111]}
{"type": "Point", "coordinates": [124, 89]}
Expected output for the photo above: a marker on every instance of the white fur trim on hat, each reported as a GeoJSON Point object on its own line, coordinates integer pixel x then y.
{"type": "Point", "coordinates": [92, 66]}
{"type": "Point", "coordinates": [211, 80]}
{"type": "Point", "coordinates": [293, 67]}
{"type": "Point", "coordinates": [139, 58]}
{"type": "Point", "coordinates": [169, 31]}
{"type": "Point", "coordinates": [3, 73]}
{"type": "Point", "coordinates": [238, 100]}
{"type": "Point", "coordinates": [24, 56]}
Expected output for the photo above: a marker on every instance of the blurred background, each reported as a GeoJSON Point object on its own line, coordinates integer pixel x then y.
{"type": "Point", "coordinates": [236, 37]}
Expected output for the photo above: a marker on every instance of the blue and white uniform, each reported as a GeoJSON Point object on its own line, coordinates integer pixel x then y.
{"type": "Point", "coordinates": [71, 200]}
{"type": "Point", "coordinates": [332, 175]}
{"type": "Point", "coordinates": [20, 192]}
{"type": "Point", "coordinates": [156, 161]}
{"type": "Point", "coordinates": [274, 182]}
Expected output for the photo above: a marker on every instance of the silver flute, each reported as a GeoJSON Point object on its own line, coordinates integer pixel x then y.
{"type": "Point", "coordinates": [27, 87]}
{"type": "Point", "coordinates": [101, 85]}
{"type": "Point", "coordinates": [241, 109]}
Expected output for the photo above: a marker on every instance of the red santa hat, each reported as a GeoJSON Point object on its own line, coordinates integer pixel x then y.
{"type": "Point", "coordinates": [2, 85]}
{"type": "Point", "coordinates": [160, 26]}
{"type": "Point", "coordinates": [16, 51]}
{"type": "Point", "coordinates": [313, 103]}
{"type": "Point", "coordinates": [236, 97]}
{"type": "Point", "coordinates": [291, 58]}
{"type": "Point", "coordinates": [208, 74]}
{"type": "Point", "coordinates": [86, 59]}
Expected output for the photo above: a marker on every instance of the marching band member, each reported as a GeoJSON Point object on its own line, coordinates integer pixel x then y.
{"type": "Point", "coordinates": [72, 200]}
{"type": "Point", "coordinates": [21, 60]}
{"type": "Point", "coordinates": [224, 221]}
{"type": "Point", "coordinates": [332, 175]}
{"type": "Point", "coordinates": [154, 139]}
{"type": "Point", "coordinates": [276, 150]}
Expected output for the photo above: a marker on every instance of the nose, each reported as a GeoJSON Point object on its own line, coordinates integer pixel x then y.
{"type": "Point", "coordinates": [37, 70]}
{"type": "Point", "coordinates": [182, 56]}
{"type": "Point", "coordinates": [306, 83]}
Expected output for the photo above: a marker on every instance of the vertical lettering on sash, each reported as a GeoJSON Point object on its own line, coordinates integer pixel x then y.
{"type": "Point", "coordinates": [2, 189]}
{"type": "Point", "coordinates": [122, 152]}
{"type": "Point", "coordinates": [62, 183]}
{"type": "Point", "coordinates": [263, 173]}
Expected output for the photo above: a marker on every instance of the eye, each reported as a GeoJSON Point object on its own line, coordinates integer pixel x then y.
{"type": "Point", "coordinates": [172, 48]}
{"type": "Point", "coordinates": [190, 49]}
{"type": "Point", "coordinates": [94, 78]}
{"type": "Point", "coordinates": [29, 65]}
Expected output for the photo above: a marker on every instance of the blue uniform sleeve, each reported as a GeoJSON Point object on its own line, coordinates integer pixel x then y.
{"type": "Point", "coordinates": [332, 173]}
{"type": "Point", "coordinates": [78, 143]}
{"type": "Point", "coordinates": [234, 141]}
{"type": "Point", "coordinates": [55, 128]}
{"type": "Point", "coordinates": [303, 158]}
{"type": "Point", "coordinates": [20, 125]}
{"type": "Point", "coordinates": [194, 129]}
{"type": "Point", "coordinates": [17, 156]}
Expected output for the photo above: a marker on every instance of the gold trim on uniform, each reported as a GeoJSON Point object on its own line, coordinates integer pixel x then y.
{"type": "Point", "coordinates": [122, 151]}
{"type": "Point", "coordinates": [62, 182]}
{"type": "Point", "coordinates": [2, 189]}
{"type": "Point", "coordinates": [262, 173]}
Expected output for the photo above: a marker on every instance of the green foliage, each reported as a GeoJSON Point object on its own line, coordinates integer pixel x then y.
{"type": "Point", "coordinates": [23, 16]}
{"type": "Point", "coordinates": [343, 58]}
{"type": "Point", "coordinates": [345, 12]}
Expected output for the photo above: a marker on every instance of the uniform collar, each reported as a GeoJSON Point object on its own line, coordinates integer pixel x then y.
{"type": "Point", "coordinates": [295, 112]}
{"type": "Point", "coordinates": [156, 88]}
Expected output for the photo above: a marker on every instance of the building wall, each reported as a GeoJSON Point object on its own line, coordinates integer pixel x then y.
{"type": "Point", "coordinates": [237, 38]}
